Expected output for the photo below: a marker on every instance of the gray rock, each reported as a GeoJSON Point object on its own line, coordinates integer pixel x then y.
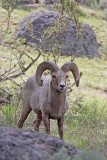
{"type": "Point", "coordinates": [17, 144]}
{"type": "Point", "coordinates": [36, 23]}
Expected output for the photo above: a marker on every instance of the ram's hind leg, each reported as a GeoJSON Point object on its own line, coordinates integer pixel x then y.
{"type": "Point", "coordinates": [38, 121]}
{"type": "Point", "coordinates": [25, 112]}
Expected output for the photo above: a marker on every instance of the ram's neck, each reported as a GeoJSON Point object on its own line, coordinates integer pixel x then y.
{"type": "Point", "coordinates": [57, 98]}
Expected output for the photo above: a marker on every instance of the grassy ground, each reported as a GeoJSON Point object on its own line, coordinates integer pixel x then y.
{"type": "Point", "coordinates": [85, 123]}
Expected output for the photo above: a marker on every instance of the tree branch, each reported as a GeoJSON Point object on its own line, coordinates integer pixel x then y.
{"type": "Point", "coordinates": [2, 100]}
{"type": "Point", "coordinates": [23, 71]}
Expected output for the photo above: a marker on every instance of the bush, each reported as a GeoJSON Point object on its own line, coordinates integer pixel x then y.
{"type": "Point", "coordinates": [90, 155]}
{"type": "Point", "coordinates": [83, 155]}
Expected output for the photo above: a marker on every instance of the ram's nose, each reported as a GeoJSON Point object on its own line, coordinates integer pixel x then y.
{"type": "Point", "coordinates": [61, 86]}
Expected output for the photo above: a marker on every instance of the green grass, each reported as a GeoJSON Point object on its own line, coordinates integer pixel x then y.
{"type": "Point", "coordinates": [85, 123]}
{"type": "Point", "coordinates": [87, 120]}
{"type": "Point", "coordinates": [10, 115]}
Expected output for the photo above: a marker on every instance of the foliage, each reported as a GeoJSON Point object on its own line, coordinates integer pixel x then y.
{"type": "Point", "coordinates": [62, 154]}
{"type": "Point", "coordinates": [90, 155]}
{"type": "Point", "coordinates": [89, 113]}
{"type": "Point", "coordinates": [85, 123]}
{"type": "Point", "coordinates": [8, 5]}
{"type": "Point", "coordinates": [82, 155]}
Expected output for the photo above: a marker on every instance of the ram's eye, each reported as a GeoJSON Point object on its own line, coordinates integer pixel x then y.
{"type": "Point", "coordinates": [53, 76]}
{"type": "Point", "coordinates": [67, 76]}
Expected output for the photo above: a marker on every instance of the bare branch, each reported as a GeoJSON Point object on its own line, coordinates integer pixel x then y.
{"type": "Point", "coordinates": [2, 100]}
{"type": "Point", "coordinates": [23, 71]}
{"type": "Point", "coordinates": [6, 91]}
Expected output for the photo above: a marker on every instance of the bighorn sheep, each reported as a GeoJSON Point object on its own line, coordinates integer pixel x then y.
{"type": "Point", "coordinates": [47, 97]}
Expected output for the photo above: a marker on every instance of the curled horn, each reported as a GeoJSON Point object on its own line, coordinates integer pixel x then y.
{"type": "Point", "coordinates": [42, 67]}
{"type": "Point", "coordinates": [70, 66]}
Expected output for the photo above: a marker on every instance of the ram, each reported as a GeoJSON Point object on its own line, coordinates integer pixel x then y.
{"type": "Point", "coordinates": [47, 97]}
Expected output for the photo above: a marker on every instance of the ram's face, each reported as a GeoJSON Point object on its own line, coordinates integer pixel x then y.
{"type": "Point", "coordinates": [59, 80]}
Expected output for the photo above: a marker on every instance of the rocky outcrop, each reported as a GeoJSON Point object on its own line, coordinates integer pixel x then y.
{"type": "Point", "coordinates": [35, 24]}
{"type": "Point", "coordinates": [16, 144]}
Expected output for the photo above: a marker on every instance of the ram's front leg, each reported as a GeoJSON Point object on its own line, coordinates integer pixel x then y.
{"type": "Point", "coordinates": [38, 121]}
{"type": "Point", "coordinates": [60, 122]}
{"type": "Point", "coordinates": [46, 121]}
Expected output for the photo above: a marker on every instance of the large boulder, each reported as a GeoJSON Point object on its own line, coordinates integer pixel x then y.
{"type": "Point", "coordinates": [17, 144]}
{"type": "Point", "coordinates": [35, 24]}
